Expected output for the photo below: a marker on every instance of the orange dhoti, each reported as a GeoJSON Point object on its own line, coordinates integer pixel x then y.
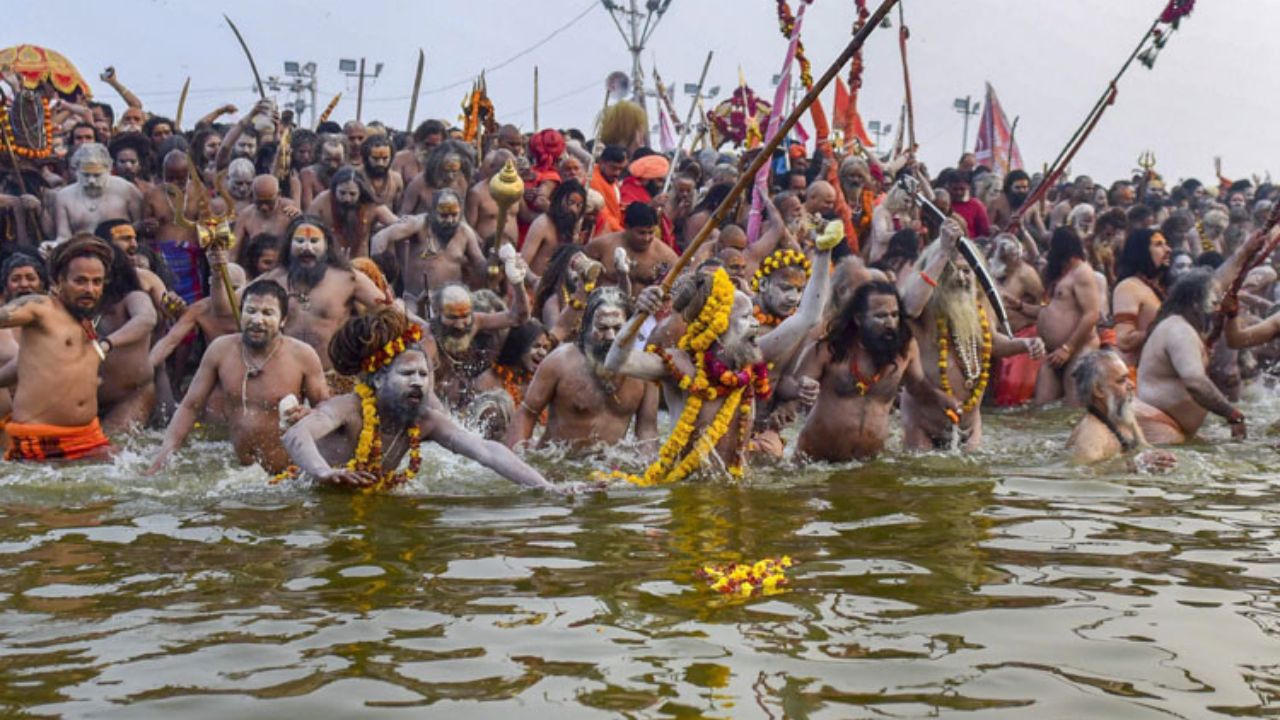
{"type": "Point", "coordinates": [33, 441]}
{"type": "Point", "coordinates": [1016, 376]}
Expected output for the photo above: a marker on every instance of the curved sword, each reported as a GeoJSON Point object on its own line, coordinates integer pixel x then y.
{"type": "Point", "coordinates": [262, 93]}
{"type": "Point", "coordinates": [973, 257]}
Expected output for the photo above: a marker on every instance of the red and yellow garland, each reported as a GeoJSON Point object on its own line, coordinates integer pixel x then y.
{"type": "Point", "coordinates": [787, 23]}
{"type": "Point", "coordinates": [40, 153]}
{"type": "Point", "coordinates": [778, 260]}
{"type": "Point", "coordinates": [368, 455]}
{"type": "Point", "coordinates": [388, 352]}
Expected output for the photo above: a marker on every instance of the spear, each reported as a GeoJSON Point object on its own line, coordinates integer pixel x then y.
{"type": "Point", "coordinates": [684, 130]}
{"type": "Point", "coordinates": [417, 85]}
{"type": "Point", "coordinates": [748, 176]}
{"type": "Point", "coordinates": [903, 34]}
{"type": "Point", "coordinates": [182, 105]}
{"type": "Point", "coordinates": [535, 98]}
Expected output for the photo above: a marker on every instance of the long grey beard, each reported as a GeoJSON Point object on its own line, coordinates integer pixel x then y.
{"type": "Point", "coordinates": [960, 310]}
{"type": "Point", "coordinates": [1122, 414]}
{"type": "Point", "coordinates": [740, 354]}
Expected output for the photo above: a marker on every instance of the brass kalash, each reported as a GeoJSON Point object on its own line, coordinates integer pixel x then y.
{"type": "Point", "coordinates": [214, 231]}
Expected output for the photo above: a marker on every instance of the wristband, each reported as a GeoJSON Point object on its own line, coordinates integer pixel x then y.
{"type": "Point", "coordinates": [930, 281]}
{"type": "Point", "coordinates": [110, 345]}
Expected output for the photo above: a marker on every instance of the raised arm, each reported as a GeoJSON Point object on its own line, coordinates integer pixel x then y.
{"type": "Point", "coordinates": [1257, 334]}
{"type": "Point", "coordinates": [779, 345]}
{"type": "Point", "coordinates": [23, 311]}
{"type": "Point", "coordinates": [163, 348]}
{"type": "Point", "coordinates": [917, 290]}
{"type": "Point", "coordinates": [109, 77]}
{"type": "Point", "coordinates": [622, 357]}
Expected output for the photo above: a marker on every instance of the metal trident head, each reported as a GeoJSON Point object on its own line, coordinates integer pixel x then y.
{"type": "Point", "coordinates": [1147, 160]}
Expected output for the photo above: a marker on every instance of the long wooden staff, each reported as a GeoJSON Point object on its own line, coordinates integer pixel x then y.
{"type": "Point", "coordinates": [417, 85]}
{"type": "Point", "coordinates": [748, 176]}
{"type": "Point", "coordinates": [903, 34]}
{"type": "Point", "coordinates": [535, 98]}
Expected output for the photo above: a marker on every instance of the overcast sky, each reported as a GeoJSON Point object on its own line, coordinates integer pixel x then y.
{"type": "Point", "coordinates": [1049, 60]}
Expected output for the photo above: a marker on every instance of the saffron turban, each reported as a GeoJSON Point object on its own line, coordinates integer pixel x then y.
{"type": "Point", "coordinates": [649, 167]}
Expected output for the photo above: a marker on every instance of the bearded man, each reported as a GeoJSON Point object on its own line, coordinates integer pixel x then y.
{"type": "Point", "coordinates": [440, 249]}
{"type": "Point", "coordinates": [350, 210]}
{"type": "Point", "coordinates": [240, 174]}
{"type": "Point", "coordinates": [269, 214]}
{"type": "Point", "coordinates": [1142, 273]}
{"type": "Point", "coordinates": [587, 407]}
{"type": "Point", "coordinates": [1109, 427]}
{"type": "Point", "coordinates": [1068, 324]}
{"type": "Point", "coordinates": [482, 210]}
{"type": "Point", "coordinates": [555, 227]}
{"type": "Point", "coordinates": [956, 331]}
{"type": "Point", "coordinates": [95, 195]}
{"type": "Point", "coordinates": [334, 445]}
{"type": "Point", "coordinates": [855, 370]}
{"type": "Point", "coordinates": [55, 405]}
{"type": "Point", "coordinates": [1017, 186]}
{"type": "Point", "coordinates": [319, 177]}
{"type": "Point", "coordinates": [387, 184]}
{"type": "Point", "coordinates": [464, 338]}
{"type": "Point", "coordinates": [647, 259]}
{"type": "Point", "coordinates": [169, 212]}
{"type": "Point", "coordinates": [254, 370]}
{"type": "Point", "coordinates": [449, 165]}
{"type": "Point", "coordinates": [125, 320]}
{"type": "Point", "coordinates": [322, 284]}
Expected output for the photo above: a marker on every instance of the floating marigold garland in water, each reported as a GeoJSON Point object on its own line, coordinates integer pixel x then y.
{"type": "Point", "coordinates": [765, 577]}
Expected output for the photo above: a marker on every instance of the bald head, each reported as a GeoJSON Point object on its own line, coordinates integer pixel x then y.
{"type": "Point", "coordinates": [175, 166]}
{"type": "Point", "coordinates": [820, 197]}
{"type": "Point", "coordinates": [266, 190]}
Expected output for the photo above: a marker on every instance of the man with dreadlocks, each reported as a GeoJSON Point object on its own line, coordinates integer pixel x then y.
{"type": "Point", "coordinates": [718, 367]}
{"type": "Point", "coordinates": [555, 227]}
{"type": "Point", "coordinates": [350, 210]}
{"type": "Point", "coordinates": [862, 359]}
{"type": "Point", "coordinates": [588, 406]}
{"type": "Point", "coordinates": [449, 165]}
{"type": "Point", "coordinates": [952, 323]}
{"type": "Point", "coordinates": [359, 439]}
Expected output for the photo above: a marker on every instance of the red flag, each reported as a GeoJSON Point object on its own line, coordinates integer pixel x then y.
{"type": "Point", "coordinates": [996, 148]}
{"type": "Point", "coordinates": [840, 108]}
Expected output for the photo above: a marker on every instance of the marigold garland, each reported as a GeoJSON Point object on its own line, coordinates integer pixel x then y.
{"type": "Point", "coordinates": [778, 260]}
{"type": "Point", "coordinates": [975, 395]}
{"type": "Point", "coordinates": [388, 352]}
{"type": "Point", "coordinates": [40, 153]}
{"type": "Point", "coordinates": [765, 577]}
{"type": "Point", "coordinates": [368, 455]}
{"type": "Point", "coordinates": [766, 319]}
{"type": "Point", "coordinates": [733, 387]}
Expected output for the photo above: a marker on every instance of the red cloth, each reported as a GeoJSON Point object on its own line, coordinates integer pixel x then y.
{"type": "Point", "coordinates": [1016, 376]}
{"type": "Point", "coordinates": [633, 190]}
{"type": "Point", "coordinates": [975, 216]}
{"type": "Point", "coordinates": [610, 217]}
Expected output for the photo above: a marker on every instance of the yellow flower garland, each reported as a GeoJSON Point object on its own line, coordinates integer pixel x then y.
{"type": "Point", "coordinates": [779, 260]}
{"type": "Point", "coordinates": [975, 396]}
{"type": "Point", "coordinates": [711, 322]}
{"type": "Point", "coordinates": [368, 454]}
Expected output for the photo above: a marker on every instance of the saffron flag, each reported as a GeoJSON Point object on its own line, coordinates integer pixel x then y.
{"type": "Point", "coordinates": [997, 148]}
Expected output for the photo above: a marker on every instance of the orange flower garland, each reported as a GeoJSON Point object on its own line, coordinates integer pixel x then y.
{"type": "Point", "coordinates": [40, 153]}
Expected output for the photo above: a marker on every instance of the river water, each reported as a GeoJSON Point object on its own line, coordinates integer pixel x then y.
{"type": "Point", "coordinates": [997, 584]}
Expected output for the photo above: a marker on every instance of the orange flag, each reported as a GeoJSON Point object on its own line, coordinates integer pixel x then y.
{"type": "Point", "coordinates": [840, 109]}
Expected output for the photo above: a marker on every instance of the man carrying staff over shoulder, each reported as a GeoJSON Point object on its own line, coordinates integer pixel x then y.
{"type": "Point", "coordinates": [55, 406]}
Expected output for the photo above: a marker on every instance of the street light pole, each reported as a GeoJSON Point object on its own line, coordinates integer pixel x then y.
{"type": "Point", "coordinates": [640, 27]}
{"type": "Point", "coordinates": [965, 106]}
